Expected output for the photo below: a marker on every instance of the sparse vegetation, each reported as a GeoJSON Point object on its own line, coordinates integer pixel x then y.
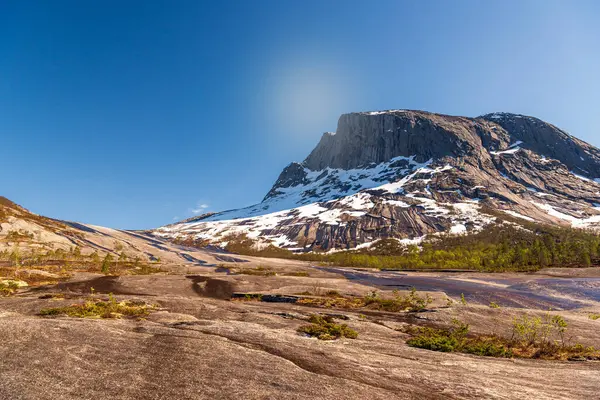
{"type": "Point", "coordinates": [453, 341]}
{"type": "Point", "coordinates": [94, 308]}
{"type": "Point", "coordinates": [500, 247]}
{"type": "Point", "coordinates": [323, 327]}
{"type": "Point", "coordinates": [258, 271]}
{"type": "Point", "coordinates": [250, 297]}
{"type": "Point", "coordinates": [143, 269]}
{"type": "Point", "coordinates": [532, 337]}
{"type": "Point", "coordinates": [594, 316]}
{"type": "Point", "coordinates": [61, 261]}
{"type": "Point", "coordinates": [410, 302]}
{"type": "Point", "coordinates": [8, 287]}
{"type": "Point", "coordinates": [19, 236]}
{"type": "Point", "coordinates": [297, 273]}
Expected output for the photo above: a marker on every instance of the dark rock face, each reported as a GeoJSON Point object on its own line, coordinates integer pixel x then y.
{"type": "Point", "coordinates": [548, 140]}
{"type": "Point", "coordinates": [292, 175]}
{"type": "Point", "coordinates": [406, 174]}
{"type": "Point", "coordinates": [365, 138]}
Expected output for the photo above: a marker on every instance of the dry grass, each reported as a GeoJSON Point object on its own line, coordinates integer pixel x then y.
{"type": "Point", "coordinates": [410, 302]}
{"type": "Point", "coordinates": [94, 308]}
{"type": "Point", "coordinates": [258, 271]}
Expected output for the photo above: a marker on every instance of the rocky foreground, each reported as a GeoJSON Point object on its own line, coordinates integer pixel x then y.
{"type": "Point", "coordinates": [207, 339]}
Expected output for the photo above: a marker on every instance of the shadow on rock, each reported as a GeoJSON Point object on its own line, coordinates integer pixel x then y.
{"type": "Point", "coordinates": [210, 287]}
{"type": "Point", "coordinates": [103, 284]}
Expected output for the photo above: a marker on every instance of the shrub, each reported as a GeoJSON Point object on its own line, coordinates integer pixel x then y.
{"type": "Point", "coordinates": [324, 328]}
{"type": "Point", "coordinates": [436, 340]}
{"type": "Point", "coordinates": [526, 329]}
{"type": "Point", "coordinates": [531, 339]}
{"type": "Point", "coordinates": [455, 339]}
{"type": "Point", "coordinates": [8, 287]}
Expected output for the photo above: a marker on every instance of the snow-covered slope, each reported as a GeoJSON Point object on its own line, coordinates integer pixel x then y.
{"type": "Point", "coordinates": [407, 174]}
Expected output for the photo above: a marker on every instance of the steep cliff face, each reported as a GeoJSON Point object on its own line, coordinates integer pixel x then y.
{"type": "Point", "coordinates": [408, 174]}
{"type": "Point", "coordinates": [365, 138]}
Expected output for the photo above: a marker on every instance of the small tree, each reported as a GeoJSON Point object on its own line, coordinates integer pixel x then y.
{"type": "Point", "coordinates": [560, 325]}
{"type": "Point", "coordinates": [106, 264]}
{"type": "Point", "coordinates": [586, 260]}
{"type": "Point", "coordinates": [77, 252]}
{"type": "Point", "coordinates": [123, 257]}
{"type": "Point", "coordinates": [15, 258]}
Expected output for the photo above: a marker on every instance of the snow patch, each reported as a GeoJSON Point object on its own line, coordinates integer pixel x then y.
{"type": "Point", "coordinates": [575, 222]}
{"type": "Point", "coordinates": [458, 229]}
{"type": "Point", "coordinates": [509, 151]}
{"type": "Point", "coordinates": [397, 203]}
{"type": "Point", "coordinates": [383, 112]}
{"type": "Point", "coordinates": [517, 215]}
{"type": "Point", "coordinates": [397, 187]}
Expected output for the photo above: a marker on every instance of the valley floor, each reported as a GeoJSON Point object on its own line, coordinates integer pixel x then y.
{"type": "Point", "coordinates": [201, 344]}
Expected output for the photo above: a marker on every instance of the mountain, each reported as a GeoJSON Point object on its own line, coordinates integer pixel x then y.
{"type": "Point", "coordinates": [408, 174]}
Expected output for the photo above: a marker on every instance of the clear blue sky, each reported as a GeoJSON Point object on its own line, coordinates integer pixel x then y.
{"type": "Point", "coordinates": [131, 113]}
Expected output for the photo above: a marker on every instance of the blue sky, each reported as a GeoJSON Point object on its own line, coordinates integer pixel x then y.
{"type": "Point", "coordinates": [131, 114]}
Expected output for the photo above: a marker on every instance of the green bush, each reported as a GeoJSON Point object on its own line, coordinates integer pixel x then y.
{"type": "Point", "coordinates": [455, 339]}
{"type": "Point", "coordinates": [324, 328]}
{"type": "Point", "coordinates": [436, 340]}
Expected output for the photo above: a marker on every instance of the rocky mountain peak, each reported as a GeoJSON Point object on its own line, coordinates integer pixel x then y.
{"type": "Point", "coordinates": [407, 174]}
{"type": "Point", "coordinates": [366, 138]}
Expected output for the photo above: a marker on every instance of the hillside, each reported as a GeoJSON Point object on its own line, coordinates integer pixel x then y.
{"type": "Point", "coordinates": [408, 175]}
{"type": "Point", "coordinates": [29, 238]}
